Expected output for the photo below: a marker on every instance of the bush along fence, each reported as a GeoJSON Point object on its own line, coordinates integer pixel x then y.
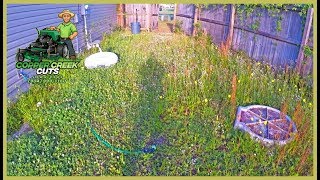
{"type": "Point", "coordinates": [280, 35]}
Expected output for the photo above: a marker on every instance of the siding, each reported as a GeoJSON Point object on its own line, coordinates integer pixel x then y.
{"type": "Point", "coordinates": [102, 19]}
{"type": "Point", "coordinates": [22, 19]}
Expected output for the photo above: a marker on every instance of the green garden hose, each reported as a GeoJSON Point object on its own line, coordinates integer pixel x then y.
{"type": "Point", "coordinates": [108, 145]}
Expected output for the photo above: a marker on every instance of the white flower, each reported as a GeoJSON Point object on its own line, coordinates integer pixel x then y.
{"type": "Point", "coordinates": [38, 104]}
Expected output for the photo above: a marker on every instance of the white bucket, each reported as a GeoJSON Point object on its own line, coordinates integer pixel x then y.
{"type": "Point", "coordinates": [101, 59]}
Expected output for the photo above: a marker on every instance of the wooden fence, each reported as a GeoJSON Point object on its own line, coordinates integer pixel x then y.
{"type": "Point", "coordinates": [258, 35]}
{"type": "Point", "coordinates": [146, 14]}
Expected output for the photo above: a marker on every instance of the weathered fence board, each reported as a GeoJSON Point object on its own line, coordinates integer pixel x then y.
{"type": "Point", "coordinates": [146, 14]}
{"type": "Point", "coordinates": [154, 16]}
{"type": "Point", "coordinates": [304, 41]}
{"type": "Point", "coordinates": [140, 9]}
{"type": "Point", "coordinates": [185, 14]}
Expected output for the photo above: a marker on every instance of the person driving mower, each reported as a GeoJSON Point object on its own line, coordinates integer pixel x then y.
{"type": "Point", "coordinates": [68, 31]}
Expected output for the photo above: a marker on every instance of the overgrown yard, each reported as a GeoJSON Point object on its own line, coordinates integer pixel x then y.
{"type": "Point", "coordinates": [176, 92]}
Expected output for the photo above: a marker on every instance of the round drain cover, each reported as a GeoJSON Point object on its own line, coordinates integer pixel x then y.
{"type": "Point", "coordinates": [265, 124]}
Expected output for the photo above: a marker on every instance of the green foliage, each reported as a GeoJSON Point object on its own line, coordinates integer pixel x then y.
{"type": "Point", "coordinates": [278, 28]}
{"type": "Point", "coordinates": [118, 28]}
{"type": "Point", "coordinates": [255, 26]}
{"type": "Point", "coordinates": [307, 51]}
{"type": "Point", "coordinates": [169, 90]}
{"type": "Point", "coordinates": [178, 26]}
{"type": "Point", "coordinates": [244, 11]}
{"type": "Point", "coordinates": [198, 28]}
{"type": "Point", "coordinates": [274, 10]}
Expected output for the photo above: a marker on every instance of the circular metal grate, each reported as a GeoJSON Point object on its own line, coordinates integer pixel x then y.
{"type": "Point", "coordinates": [265, 124]}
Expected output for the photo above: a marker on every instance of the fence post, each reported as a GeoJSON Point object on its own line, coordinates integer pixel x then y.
{"type": "Point", "coordinates": [124, 6]}
{"type": "Point", "coordinates": [231, 26]}
{"type": "Point", "coordinates": [123, 18]}
{"type": "Point", "coordinates": [174, 17]}
{"type": "Point", "coordinates": [148, 16]}
{"type": "Point", "coordinates": [119, 15]}
{"type": "Point", "coordinates": [195, 20]}
{"type": "Point", "coordinates": [304, 41]}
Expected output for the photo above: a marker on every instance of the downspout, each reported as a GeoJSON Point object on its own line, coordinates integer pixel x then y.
{"type": "Point", "coordinates": [76, 20]}
{"type": "Point", "coordinates": [83, 13]}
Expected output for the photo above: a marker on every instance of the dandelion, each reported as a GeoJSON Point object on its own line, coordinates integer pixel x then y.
{"type": "Point", "coordinates": [205, 100]}
{"type": "Point", "coordinates": [160, 97]}
{"type": "Point", "coordinates": [272, 80]}
{"type": "Point", "coordinates": [239, 81]}
{"type": "Point", "coordinates": [310, 104]}
{"type": "Point", "coordinates": [229, 96]}
{"type": "Point", "coordinates": [279, 90]}
{"type": "Point", "coordinates": [168, 74]}
{"type": "Point", "coordinates": [304, 100]}
{"type": "Point", "coordinates": [295, 86]}
{"type": "Point", "coordinates": [195, 82]}
{"type": "Point", "coordinates": [251, 74]}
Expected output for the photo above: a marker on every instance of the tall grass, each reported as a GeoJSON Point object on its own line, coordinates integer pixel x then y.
{"type": "Point", "coordinates": [177, 92]}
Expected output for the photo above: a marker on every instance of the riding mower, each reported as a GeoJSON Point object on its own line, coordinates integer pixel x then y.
{"type": "Point", "coordinates": [48, 45]}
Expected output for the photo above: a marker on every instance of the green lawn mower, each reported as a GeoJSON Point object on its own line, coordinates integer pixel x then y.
{"type": "Point", "coordinates": [48, 45]}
